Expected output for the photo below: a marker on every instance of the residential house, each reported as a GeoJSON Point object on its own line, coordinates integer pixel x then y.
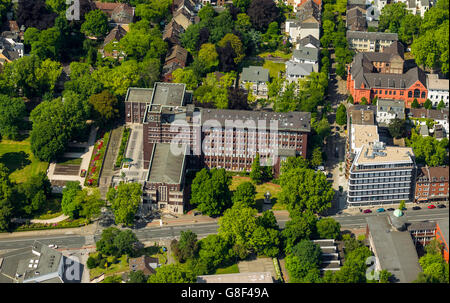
{"type": "Point", "coordinates": [309, 42]}
{"type": "Point", "coordinates": [437, 89]}
{"type": "Point", "coordinates": [255, 78]}
{"type": "Point", "coordinates": [388, 110]}
{"type": "Point", "coordinates": [432, 184]}
{"type": "Point", "coordinates": [356, 19]}
{"type": "Point", "coordinates": [370, 41]}
{"type": "Point", "coordinates": [306, 22]}
{"type": "Point", "coordinates": [415, 7]}
{"type": "Point", "coordinates": [184, 13]}
{"type": "Point", "coordinates": [177, 58]}
{"type": "Point", "coordinates": [111, 42]}
{"type": "Point", "coordinates": [306, 55]}
{"type": "Point", "coordinates": [438, 116]}
{"type": "Point", "coordinates": [145, 264]}
{"type": "Point", "coordinates": [295, 70]}
{"type": "Point", "coordinates": [10, 50]}
{"type": "Point", "coordinates": [172, 33]}
{"type": "Point", "coordinates": [118, 13]}
{"type": "Point", "coordinates": [383, 75]}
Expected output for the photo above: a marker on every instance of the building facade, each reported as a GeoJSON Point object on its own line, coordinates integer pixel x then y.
{"type": "Point", "coordinates": [387, 110]}
{"type": "Point", "coordinates": [437, 90]}
{"type": "Point", "coordinates": [256, 79]}
{"type": "Point", "coordinates": [432, 184]}
{"type": "Point", "coordinates": [370, 41]}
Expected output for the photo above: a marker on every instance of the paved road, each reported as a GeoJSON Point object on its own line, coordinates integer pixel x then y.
{"type": "Point", "coordinates": [204, 229]}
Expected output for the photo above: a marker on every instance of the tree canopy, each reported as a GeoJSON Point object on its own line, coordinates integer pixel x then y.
{"type": "Point", "coordinates": [125, 201]}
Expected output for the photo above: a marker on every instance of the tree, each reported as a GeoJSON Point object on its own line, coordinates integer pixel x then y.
{"type": "Point", "coordinates": [70, 205]}
{"type": "Point", "coordinates": [317, 159]}
{"type": "Point", "coordinates": [227, 57]}
{"type": "Point", "coordinates": [6, 198]}
{"type": "Point", "coordinates": [409, 28]}
{"type": "Point", "coordinates": [354, 268]}
{"type": "Point", "coordinates": [364, 101]}
{"type": "Point", "coordinates": [222, 25]}
{"type": "Point", "coordinates": [118, 79]}
{"type": "Point", "coordinates": [428, 104]}
{"type": "Point", "coordinates": [307, 252]}
{"type": "Point", "coordinates": [303, 263]}
{"type": "Point", "coordinates": [4, 7]}
{"type": "Point", "coordinates": [153, 10]}
{"type": "Point", "coordinates": [81, 81]}
{"type": "Point", "coordinates": [242, 4]}
{"type": "Point", "coordinates": [12, 113]}
{"type": "Point", "coordinates": [236, 44]}
{"type": "Point", "coordinates": [391, 17]}
{"type": "Point", "coordinates": [293, 162]}
{"type": "Point", "coordinates": [415, 104]}
{"type": "Point", "coordinates": [57, 6]}
{"type": "Point", "coordinates": [397, 128]}
{"type": "Point", "coordinates": [304, 189]}
{"type": "Point", "coordinates": [210, 192]}
{"type": "Point", "coordinates": [209, 56]}
{"type": "Point", "coordinates": [33, 194]}
{"type": "Point", "coordinates": [189, 39]}
{"type": "Point", "coordinates": [137, 277]}
{"type": "Point", "coordinates": [105, 107]}
{"type": "Point", "coordinates": [125, 242]}
{"type": "Point", "coordinates": [428, 150]}
{"type": "Point", "coordinates": [125, 201]}
{"type": "Point", "coordinates": [328, 228]}
{"type": "Point", "coordinates": [172, 273]}
{"type": "Point", "coordinates": [341, 114]}
{"type": "Point", "coordinates": [245, 193]}
{"type": "Point", "coordinates": [96, 24]}
{"type": "Point", "coordinates": [214, 251]}
{"type": "Point", "coordinates": [92, 203]}
{"type": "Point", "coordinates": [257, 174]}
{"type": "Point", "coordinates": [206, 13]}
{"type": "Point", "coordinates": [186, 76]}
{"type": "Point", "coordinates": [300, 227]}
{"type": "Point", "coordinates": [237, 98]}
{"type": "Point", "coordinates": [262, 13]}
{"type": "Point", "coordinates": [401, 205]}
{"type": "Point", "coordinates": [243, 23]}
{"type": "Point", "coordinates": [441, 105]}
{"type": "Point", "coordinates": [106, 243]}
{"type": "Point", "coordinates": [187, 247]}
{"type": "Point", "coordinates": [435, 269]}
{"type": "Point", "coordinates": [34, 14]}
{"type": "Point", "coordinates": [265, 241]}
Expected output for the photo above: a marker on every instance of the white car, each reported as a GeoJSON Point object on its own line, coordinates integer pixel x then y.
{"type": "Point", "coordinates": [53, 246]}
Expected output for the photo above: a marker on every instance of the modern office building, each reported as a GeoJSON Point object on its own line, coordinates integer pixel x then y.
{"type": "Point", "coordinates": [381, 175]}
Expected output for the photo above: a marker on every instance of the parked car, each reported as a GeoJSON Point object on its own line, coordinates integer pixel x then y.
{"type": "Point", "coordinates": [441, 206]}
{"type": "Point", "coordinates": [431, 206]}
{"type": "Point", "coordinates": [416, 208]}
{"type": "Point", "coordinates": [391, 209]}
{"type": "Point", "coordinates": [53, 246]}
{"type": "Point", "coordinates": [367, 211]}
{"type": "Point", "coordinates": [83, 173]}
{"type": "Point", "coordinates": [380, 210]}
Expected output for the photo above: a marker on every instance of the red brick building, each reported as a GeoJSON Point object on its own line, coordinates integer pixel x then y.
{"type": "Point", "coordinates": [382, 75]}
{"type": "Point", "coordinates": [442, 236]}
{"type": "Point", "coordinates": [432, 184]}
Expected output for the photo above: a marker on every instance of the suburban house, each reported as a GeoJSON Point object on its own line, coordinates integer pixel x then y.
{"type": "Point", "coordinates": [185, 13]}
{"type": "Point", "coordinates": [111, 42]}
{"type": "Point", "coordinates": [370, 41]}
{"type": "Point", "coordinates": [295, 70]}
{"type": "Point", "coordinates": [383, 75]}
{"type": "Point", "coordinates": [309, 42]}
{"type": "Point", "coordinates": [415, 7]}
{"type": "Point", "coordinates": [176, 58]}
{"type": "Point", "coordinates": [255, 78]}
{"type": "Point", "coordinates": [145, 264]}
{"type": "Point", "coordinates": [387, 110]}
{"type": "Point", "coordinates": [437, 89]}
{"type": "Point", "coordinates": [118, 13]}
{"type": "Point", "coordinates": [10, 50]}
{"type": "Point", "coordinates": [356, 19]}
{"type": "Point", "coordinates": [439, 116]}
{"type": "Point", "coordinates": [432, 184]}
{"type": "Point", "coordinates": [306, 55]}
{"type": "Point", "coordinates": [172, 33]}
{"type": "Point", "coordinates": [307, 22]}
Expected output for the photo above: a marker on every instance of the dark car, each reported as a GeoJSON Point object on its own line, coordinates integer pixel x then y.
{"type": "Point", "coordinates": [441, 206]}
{"type": "Point", "coordinates": [416, 208]}
{"type": "Point", "coordinates": [390, 209]}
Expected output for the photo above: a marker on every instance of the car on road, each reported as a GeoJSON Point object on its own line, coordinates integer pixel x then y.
{"type": "Point", "coordinates": [367, 211]}
{"type": "Point", "coordinates": [83, 173]}
{"type": "Point", "coordinates": [391, 209]}
{"type": "Point", "coordinates": [416, 208]}
{"type": "Point", "coordinates": [431, 206]}
{"type": "Point", "coordinates": [441, 206]}
{"type": "Point", "coordinates": [53, 246]}
{"type": "Point", "coordinates": [380, 210]}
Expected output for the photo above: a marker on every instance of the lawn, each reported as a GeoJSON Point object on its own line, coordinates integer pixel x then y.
{"type": "Point", "coordinates": [119, 267]}
{"type": "Point", "coordinates": [276, 53]}
{"type": "Point", "coordinates": [232, 269]}
{"type": "Point", "coordinates": [18, 158]}
{"type": "Point", "coordinates": [68, 161]}
{"type": "Point", "coordinates": [274, 68]}
{"type": "Point", "coordinates": [261, 189]}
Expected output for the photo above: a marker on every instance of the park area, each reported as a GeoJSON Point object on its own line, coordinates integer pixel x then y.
{"type": "Point", "coordinates": [261, 189]}
{"type": "Point", "coordinates": [18, 158]}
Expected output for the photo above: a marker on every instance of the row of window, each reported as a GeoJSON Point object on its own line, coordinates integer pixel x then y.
{"type": "Point", "coordinates": [378, 198]}
{"type": "Point", "coordinates": [380, 186]}
{"type": "Point", "coordinates": [378, 192]}
{"type": "Point", "coordinates": [384, 180]}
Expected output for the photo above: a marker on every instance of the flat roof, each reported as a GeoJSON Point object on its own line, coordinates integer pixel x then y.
{"type": "Point", "coordinates": [433, 82]}
{"type": "Point", "coordinates": [363, 134]}
{"type": "Point", "coordinates": [394, 249]}
{"type": "Point", "coordinates": [166, 167]}
{"type": "Point", "coordinates": [170, 94]}
{"type": "Point", "coordinates": [252, 277]}
{"type": "Point", "coordinates": [136, 94]}
{"type": "Point", "coordinates": [394, 154]}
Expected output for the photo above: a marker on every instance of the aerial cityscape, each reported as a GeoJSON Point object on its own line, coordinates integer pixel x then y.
{"type": "Point", "coordinates": [224, 142]}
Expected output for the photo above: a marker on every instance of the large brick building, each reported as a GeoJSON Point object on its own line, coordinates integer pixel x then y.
{"type": "Point", "coordinates": [383, 75]}
{"type": "Point", "coordinates": [176, 135]}
{"type": "Point", "coordinates": [432, 184]}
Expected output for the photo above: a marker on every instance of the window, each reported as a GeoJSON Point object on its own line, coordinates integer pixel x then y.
{"type": "Point", "coordinates": [416, 93]}
{"type": "Point", "coordinates": [423, 95]}
{"type": "Point", "coordinates": [410, 94]}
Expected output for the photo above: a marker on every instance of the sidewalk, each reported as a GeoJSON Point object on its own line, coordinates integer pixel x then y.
{"type": "Point", "coordinates": [78, 231]}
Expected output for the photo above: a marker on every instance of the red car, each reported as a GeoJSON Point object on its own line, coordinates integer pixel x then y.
{"type": "Point", "coordinates": [367, 211]}
{"type": "Point", "coordinates": [431, 206]}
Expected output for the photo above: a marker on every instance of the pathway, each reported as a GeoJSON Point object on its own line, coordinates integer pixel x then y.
{"type": "Point", "coordinates": [49, 221]}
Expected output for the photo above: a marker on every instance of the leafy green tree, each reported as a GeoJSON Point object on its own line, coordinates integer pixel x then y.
{"type": "Point", "coordinates": [210, 192]}
{"type": "Point", "coordinates": [328, 228]}
{"type": "Point", "coordinates": [95, 24]}
{"type": "Point", "coordinates": [189, 39]}
{"type": "Point", "coordinates": [428, 150]}
{"type": "Point", "coordinates": [153, 10]}
{"type": "Point", "coordinates": [341, 114]}
{"type": "Point", "coordinates": [415, 104]}
{"type": "Point", "coordinates": [186, 76]}
{"type": "Point", "coordinates": [257, 173]}
{"type": "Point", "coordinates": [222, 25]}
{"type": "Point", "coordinates": [172, 273]}
{"type": "Point", "coordinates": [137, 277]}
{"type": "Point", "coordinates": [304, 189]}
{"type": "Point", "coordinates": [441, 105]}
{"type": "Point", "coordinates": [397, 128]}
{"type": "Point", "coordinates": [409, 28]}
{"type": "Point", "coordinates": [6, 198]}
{"type": "Point", "coordinates": [292, 163]}
{"type": "Point", "coordinates": [243, 23]}
{"type": "Point", "coordinates": [105, 107]}
{"type": "Point", "coordinates": [307, 252]}
{"type": "Point", "coordinates": [206, 13]}
{"type": "Point", "coordinates": [317, 158]}
{"type": "Point", "coordinates": [70, 204]}
{"type": "Point", "coordinates": [214, 251]}
{"type": "Point", "coordinates": [267, 220]}
{"type": "Point", "coordinates": [245, 193]}
{"type": "Point", "coordinates": [303, 263]}
{"type": "Point", "coordinates": [57, 6]}
{"type": "Point", "coordinates": [118, 79]}
{"type": "Point", "coordinates": [81, 81]}
{"type": "Point", "coordinates": [12, 113]}
{"type": "Point", "coordinates": [125, 201]}
{"type": "Point", "coordinates": [354, 268]}
{"type": "Point", "coordinates": [187, 247]}
{"type": "Point", "coordinates": [384, 276]}
{"type": "Point", "coordinates": [391, 17]}
{"type": "Point", "coordinates": [266, 241]}
{"type": "Point", "coordinates": [106, 245]}
{"type": "Point", "coordinates": [298, 228]}
{"type": "Point", "coordinates": [125, 242]}
{"type": "Point", "coordinates": [209, 56]}
{"type": "Point", "coordinates": [364, 101]}
{"type": "Point", "coordinates": [242, 4]}
{"type": "Point", "coordinates": [33, 194]}
{"type": "Point", "coordinates": [262, 13]}
{"type": "Point", "coordinates": [236, 44]}
{"type": "Point", "coordinates": [428, 104]}
{"type": "Point", "coordinates": [113, 279]}
{"type": "Point", "coordinates": [4, 6]}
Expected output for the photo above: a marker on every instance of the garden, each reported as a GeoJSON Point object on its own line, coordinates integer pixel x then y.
{"type": "Point", "coordinates": [123, 144]}
{"type": "Point", "coordinates": [96, 163]}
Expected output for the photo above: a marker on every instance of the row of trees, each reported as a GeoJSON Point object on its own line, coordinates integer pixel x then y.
{"type": "Point", "coordinates": [428, 150]}
{"type": "Point", "coordinates": [77, 202]}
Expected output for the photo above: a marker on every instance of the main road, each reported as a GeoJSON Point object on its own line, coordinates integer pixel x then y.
{"type": "Point", "coordinates": [149, 234]}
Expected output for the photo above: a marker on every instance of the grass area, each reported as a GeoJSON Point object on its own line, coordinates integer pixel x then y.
{"type": "Point", "coordinates": [112, 269]}
{"type": "Point", "coordinates": [232, 269]}
{"type": "Point", "coordinates": [277, 53]}
{"type": "Point", "coordinates": [49, 216]}
{"type": "Point", "coordinates": [67, 161]}
{"type": "Point", "coordinates": [156, 252]}
{"type": "Point", "coordinates": [18, 158]}
{"type": "Point", "coordinates": [261, 189]}
{"type": "Point", "coordinates": [274, 68]}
